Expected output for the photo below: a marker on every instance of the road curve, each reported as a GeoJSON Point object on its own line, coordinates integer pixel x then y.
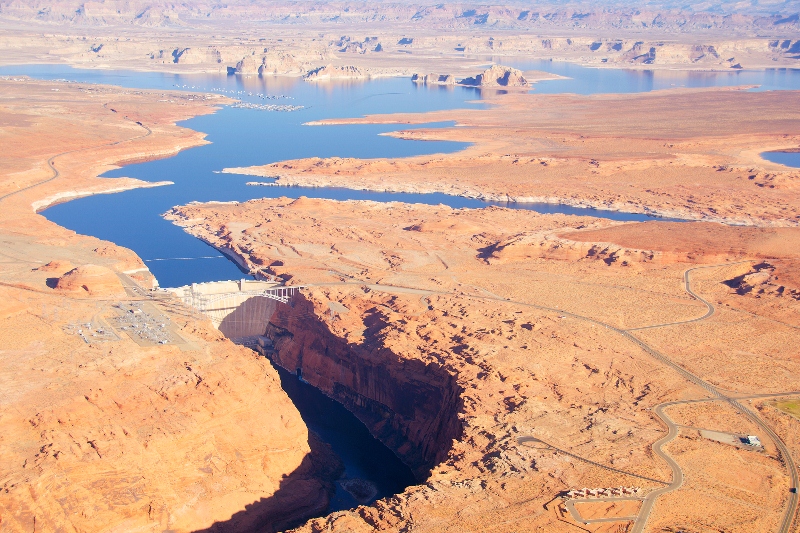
{"type": "Point", "coordinates": [687, 287]}
{"type": "Point", "coordinates": [677, 474]}
{"type": "Point", "coordinates": [56, 173]}
{"type": "Point", "coordinates": [714, 392]}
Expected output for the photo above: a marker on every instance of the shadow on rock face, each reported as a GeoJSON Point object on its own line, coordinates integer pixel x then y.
{"type": "Point", "coordinates": [249, 318]}
{"type": "Point", "coordinates": [303, 494]}
{"type": "Point", "coordinates": [410, 405]}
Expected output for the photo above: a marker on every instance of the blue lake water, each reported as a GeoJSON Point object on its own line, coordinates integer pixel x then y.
{"type": "Point", "coordinates": [587, 80]}
{"type": "Point", "coordinates": [244, 137]}
{"type": "Point", "coordinates": [790, 159]}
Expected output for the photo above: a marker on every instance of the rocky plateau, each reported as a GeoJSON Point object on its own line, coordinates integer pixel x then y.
{"type": "Point", "coordinates": [103, 431]}
{"type": "Point", "coordinates": [487, 304]}
{"type": "Point", "coordinates": [510, 359]}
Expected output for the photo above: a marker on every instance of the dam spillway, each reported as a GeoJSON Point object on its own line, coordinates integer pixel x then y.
{"type": "Point", "coordinates": [239, 309]}
{"type": "Point", "coordinates": [242, 311]}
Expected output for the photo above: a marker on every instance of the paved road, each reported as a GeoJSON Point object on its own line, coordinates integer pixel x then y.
{"type": "Point", "coordinates": [715, 394]}
{"type": "Point", "coordinates": [687, 287]}
{"type": "Point", "coordinates": [56, 173]}
{"type": "Point", "coordinates": [759, 396]}
{"type": "Point", "coordinates": [677, 474]}
{"type": "Point", "coordinates": [529, 438]}
{"type": "Point", "coordinates": [791, 506]}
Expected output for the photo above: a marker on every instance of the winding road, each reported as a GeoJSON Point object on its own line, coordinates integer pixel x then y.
{"type": "Point", "coordinates": [677, 473]}
{"type": "Point", "coordinates": [687, 287]}
{"type": "Point", "coordinates": [715, 393]}
{"type": "Point", "coordinates": [56, 173]}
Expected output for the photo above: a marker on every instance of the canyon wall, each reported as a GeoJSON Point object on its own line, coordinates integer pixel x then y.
{"type": "Point", "coordinates": [410, 405]}
{"type": "Point", "coordinates": [104, 427]}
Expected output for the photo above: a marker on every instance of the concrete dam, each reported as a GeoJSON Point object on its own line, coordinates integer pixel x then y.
{"type": "Point", "coordinates": [240, 309]}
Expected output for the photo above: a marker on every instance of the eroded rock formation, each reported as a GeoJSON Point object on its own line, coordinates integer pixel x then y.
{"type": "Point", "coordinates": [497, 76]}
{"type": "Point", "coordinates": [434, 79]}
{"type": "Point", "coordinates": [91, 280]}
{"type": "Point", "coordinates": [329, 72]}
{"type": "Point", "coordinates": [524, 314]}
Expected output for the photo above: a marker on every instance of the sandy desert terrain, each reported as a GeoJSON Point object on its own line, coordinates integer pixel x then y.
{"type": "Point", "coordinates": [569, 329]}
{"type": "Point", "coordinates": [103, 428]}
{"type": "Point", "coordinates": [536, 372]}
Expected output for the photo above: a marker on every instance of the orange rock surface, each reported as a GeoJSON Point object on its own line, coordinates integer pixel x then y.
{"type": "Point", "coordinates": [418, 319]}
{"type": "Point", "coordinates": [101, 430]}
{"type": "Point", "coordinates": [506, 356]}
{"type": "Point", "coordinates": [696, 156]}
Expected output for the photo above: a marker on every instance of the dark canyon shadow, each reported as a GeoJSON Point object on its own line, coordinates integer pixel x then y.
{"type": "Point", "coordinates": [303, 494]}
{"type": "Point", "coordinates": [410, 407]}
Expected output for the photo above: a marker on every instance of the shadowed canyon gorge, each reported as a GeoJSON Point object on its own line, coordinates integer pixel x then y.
{"type": "Point", "coordinates": [555, 309]}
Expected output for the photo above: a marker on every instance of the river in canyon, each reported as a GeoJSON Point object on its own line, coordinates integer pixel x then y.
{"type": "Point", "coordinates": [243, 137]}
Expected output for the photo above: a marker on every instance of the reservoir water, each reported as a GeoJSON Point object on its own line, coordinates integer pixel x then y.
{"type": "Point", "coordinates": [790, 159]}
{"type": "Point", "coordinates": [244, 137]}
{"type": "Point", "coordinates": [587, 80]}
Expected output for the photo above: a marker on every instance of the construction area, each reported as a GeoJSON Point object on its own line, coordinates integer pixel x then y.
{"type": "Point", "coordinates": [602, 505]}
{"type": "Point", "coordinates": [751, 442]}
{"type": "Point", "coordinates": [603, 492]}
{"type": "Point", "coordinates": [144, 324]}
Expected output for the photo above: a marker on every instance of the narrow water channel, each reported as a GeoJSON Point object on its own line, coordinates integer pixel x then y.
{"type": "Point", "coordinates": [371, 470]}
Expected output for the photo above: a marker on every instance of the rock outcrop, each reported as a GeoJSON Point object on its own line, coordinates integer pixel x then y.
{"type": "Point", "coordinates": [778, 279]}
{"type": "Point", "coordinates": [348, 45]}
{"type": "Point", "coordinates": [91, 280]}
{"type": "Point", "coordinates": [434, 79]}
{"type": "Point", "coordinates": [497, 76]}
{"type": "Point", "coordinates": [274, 61]}
{"type": "Point", "coordinates": [196, 56]}
{"type": "Point", "coordinates": [330, 72]}
{"type": "Point", "coordinates": [248, 66]}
